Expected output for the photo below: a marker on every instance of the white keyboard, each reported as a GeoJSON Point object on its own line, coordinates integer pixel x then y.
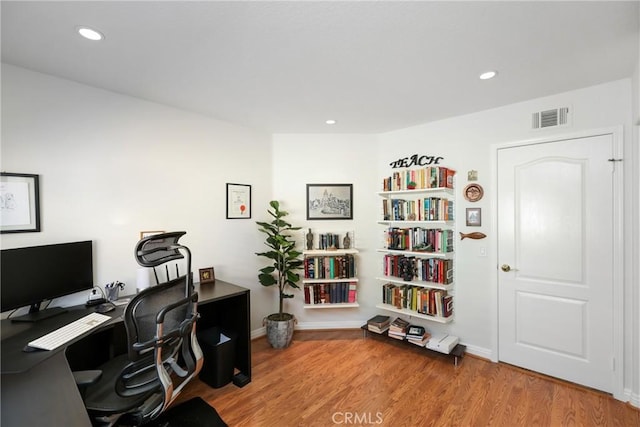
{"type": "Point", "coordinates": [68, 332]}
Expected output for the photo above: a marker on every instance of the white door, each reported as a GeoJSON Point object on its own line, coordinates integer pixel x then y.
{"type": "Point", "coordinates": [555, 237]}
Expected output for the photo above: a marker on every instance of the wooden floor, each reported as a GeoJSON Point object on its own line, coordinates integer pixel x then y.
{"type": "Point", "coordinates": [328, 378]}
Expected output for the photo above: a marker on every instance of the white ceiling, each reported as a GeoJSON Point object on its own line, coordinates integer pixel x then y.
{"type": "Point", "coordinates": [286, 67]}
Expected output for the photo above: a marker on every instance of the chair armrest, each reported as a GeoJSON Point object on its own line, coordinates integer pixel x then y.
{"type": "Point", "coordinates": [87, 378]}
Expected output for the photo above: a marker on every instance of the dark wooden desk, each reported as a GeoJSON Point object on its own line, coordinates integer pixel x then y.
{"type": "Point", "coordinates": [38, 388]}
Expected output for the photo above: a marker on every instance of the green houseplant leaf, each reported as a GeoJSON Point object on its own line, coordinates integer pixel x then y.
{"type": "Point", "coordinates": [284, 257]}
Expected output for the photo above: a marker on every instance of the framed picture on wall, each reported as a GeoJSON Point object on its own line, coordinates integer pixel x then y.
{"type": "Point", "coordinates": [474, 217]}
{"type": "Point", "coordinates": [19, 203]}
{"type": "Point", "coordinates": [329, 201]}
{"type": "Point", "coordinates": [238, 201]}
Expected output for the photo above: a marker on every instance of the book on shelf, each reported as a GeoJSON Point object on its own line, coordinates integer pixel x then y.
{"type": "Point", "coordinates": [419, 239]}
{"type": "Point", "coordinates": [422, 342]}
{"type": "Point", "coordinates": [329, 267]}
{"type": "Point", "coordinates": [396, 335]}
{"type": "Point", "coordinates": [379, 323]}
{"type": "Point", "coordinates": [432, 302]}
{"type": "Point", "coordinates": [379, 320]}
{"type": "Point", "coordinates": [330, 293]}
{"type": "Point", "coordinates": [417, 335]}
{"type": "Point", "coordinates": [424, 178]}
{"type": "Point", "coordinates": [377, 329]}
{"type": "Point", "coordinates": [419, 209]}
{"type": "Point", "coordinates": [416, 331]}
{"type": "Point", "coordinates": [352, 296]}
{"type": "Point", "coordinates": [398, 328]}
{"type": "Point", "coordinates": [433, 270]}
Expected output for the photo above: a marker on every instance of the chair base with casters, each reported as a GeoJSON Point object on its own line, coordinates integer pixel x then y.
{"type": "Point", "coordinates": [163, 354]}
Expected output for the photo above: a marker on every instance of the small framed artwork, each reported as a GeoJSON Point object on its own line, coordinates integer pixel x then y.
{"type": "Point", "coordinates": [144, 234]}
{"type": "Point", "coordinates": [474, 217]}
{"type": "Point", "coordinates": [207, 275]}
{"type": "Point", "coordinates": [19, 203]}
{"type": "Point", "coordinates": [329, 201]}
{"type": "Point", "coordinates": [238, 201]}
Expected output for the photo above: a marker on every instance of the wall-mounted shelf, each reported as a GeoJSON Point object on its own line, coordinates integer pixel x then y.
{"type": "Point", "coordinates": [412, 313]}
{"type": "Point", "coordinates": [330, 278]}
{"type": "Point", "coordinates": [419, 243]}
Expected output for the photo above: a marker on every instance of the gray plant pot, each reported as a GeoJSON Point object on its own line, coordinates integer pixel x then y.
{"type": "Point", "coordinates": [279, 332]}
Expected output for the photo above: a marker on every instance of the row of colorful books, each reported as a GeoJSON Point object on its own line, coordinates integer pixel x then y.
{"type": "Point", "coordinates": [428, 177]}
{"type": "Point", "coordinates": [329, 241]}
{"type": "Point", "coordinates": [420, 239]}
{"type": "Point", "coordinates": [415, 268]}
{"type": "Point", "coordinates": [329, 267]}
{"type": "Point", "coordinates": [421, 209]}
{"type": "Point", "coordinates": [399, 329]}
{"type": "Point", "coordinates": [330, 293]}
{"type": "Point", "coordinates": [432, 302]}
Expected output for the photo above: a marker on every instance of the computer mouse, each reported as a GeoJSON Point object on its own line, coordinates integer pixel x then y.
{"type": "Point", "coordinates": [105, 307]}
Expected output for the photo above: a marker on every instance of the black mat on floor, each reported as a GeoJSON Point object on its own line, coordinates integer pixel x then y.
{"type": "Point", "coordinates": [192, 413]}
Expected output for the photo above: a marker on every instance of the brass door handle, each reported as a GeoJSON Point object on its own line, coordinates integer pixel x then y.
{"type": "Point", "coordinates": [507, 268]}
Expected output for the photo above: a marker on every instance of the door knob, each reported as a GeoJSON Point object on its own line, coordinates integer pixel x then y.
{"type": "Point", "coordinates": [506, 268]}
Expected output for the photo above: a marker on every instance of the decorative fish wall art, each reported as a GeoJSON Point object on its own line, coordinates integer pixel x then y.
{"type": "Point", "coordinates": [475, 235]}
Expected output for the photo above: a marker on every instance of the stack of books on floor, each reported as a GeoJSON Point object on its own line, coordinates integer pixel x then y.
{"type": "Point", "coordinates": [398, 329]}
{"type": "Point", "coordinates": [418, 335]}
{"type": "Point", "coordinates": [378, 324]}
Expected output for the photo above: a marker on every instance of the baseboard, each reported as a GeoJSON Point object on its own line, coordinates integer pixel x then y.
{"type": "Point", "coordinates": [352, 324]}
{"type": "Point", "coordinates": [481, 352]}
{"type": "Point", "coordinates": [309, 326]}
{"type": "Point", "coordinates": [633, 399]}
{"type": "Point", "coordinates": [257, 333]}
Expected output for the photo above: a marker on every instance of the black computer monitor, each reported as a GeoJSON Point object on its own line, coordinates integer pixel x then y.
{"type": "Point", "coordinates": [31, 275]}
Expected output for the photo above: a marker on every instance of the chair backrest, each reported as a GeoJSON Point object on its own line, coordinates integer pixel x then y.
{"type": "Point", "coordinates": [159, 249]}
{"type": "Point", "coordinates": [160, 321]}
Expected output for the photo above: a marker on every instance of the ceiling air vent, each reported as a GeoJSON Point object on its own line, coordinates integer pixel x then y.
{"type": "Point", "coordinates": [550, 118]}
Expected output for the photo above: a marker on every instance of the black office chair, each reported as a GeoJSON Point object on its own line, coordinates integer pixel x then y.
{"type": "Point", "coordinates": [163, 352]}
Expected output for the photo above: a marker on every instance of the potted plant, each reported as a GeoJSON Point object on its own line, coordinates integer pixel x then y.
{"type": "Point", "coordinates": [285, 260]}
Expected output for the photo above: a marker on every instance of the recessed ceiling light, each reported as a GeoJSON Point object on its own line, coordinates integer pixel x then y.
{"type": "Point", "coordinates": [90, 33]}
{"type": "Point", "coordinates": [488, 75]}
{"type": "Point", "coordinates": [331, 122]}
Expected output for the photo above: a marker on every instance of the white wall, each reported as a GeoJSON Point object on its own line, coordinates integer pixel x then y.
{"type": "Point", "coordinates": [111, 166]}
{"type": "Point", "coordinates": [338, 159]}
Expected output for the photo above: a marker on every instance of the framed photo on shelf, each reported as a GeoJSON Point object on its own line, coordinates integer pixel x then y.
{"type": "Point", "coordinates": [238, 201]}
{"type": "Point", "coordinates": [329, 201]}
{"type": "Point", "coordinates": [19, 203]}
{"type": "Point", "coordinates": [207, 275]}
{"type": "Point", "coordinates": [474, 217]}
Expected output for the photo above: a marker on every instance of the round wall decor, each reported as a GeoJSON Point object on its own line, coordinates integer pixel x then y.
{"type": "Point", "coordinates": [473, 192]}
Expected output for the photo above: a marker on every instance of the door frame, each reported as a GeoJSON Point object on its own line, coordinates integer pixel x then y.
{"type": "Point", "coordinates": [618, 244]}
